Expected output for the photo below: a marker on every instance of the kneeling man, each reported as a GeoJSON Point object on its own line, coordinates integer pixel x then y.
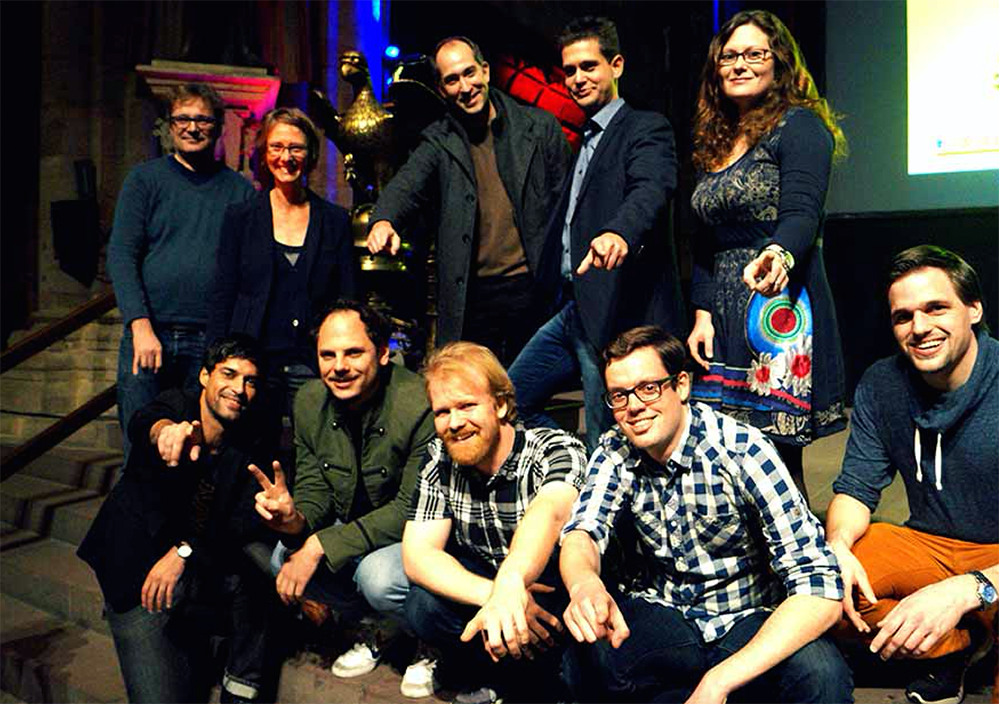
{"type": "Point", "coordinates": [926, 589]}
{"type": "Point", "coordinates": [489, 504]}
{"type": "Point", "coordinates": [167, 545]}
{"type": "Point", "coordinates": [738, 584]}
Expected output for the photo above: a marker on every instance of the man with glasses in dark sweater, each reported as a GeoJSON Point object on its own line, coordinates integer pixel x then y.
{"type": "Point", "coordinates": [161, 256]}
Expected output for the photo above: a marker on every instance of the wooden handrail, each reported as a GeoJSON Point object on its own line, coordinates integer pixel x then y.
{"type": "Point", "coordinates": [38, 341]}
{"type": "Point", "coordinates": [37, 446]}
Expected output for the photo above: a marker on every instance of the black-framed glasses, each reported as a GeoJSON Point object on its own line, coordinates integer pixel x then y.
{"type": "Point", "coordinates": [296, 150]}
{"type": "Point", "coordinates": [752, 55]}
{"type": "Point", "coordinates": [646, 392]}
{"type": "Point", "coordinates": [203, 122]}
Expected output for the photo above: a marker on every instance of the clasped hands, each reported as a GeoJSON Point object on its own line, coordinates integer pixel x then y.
{"type": "Point", "coordinates": [512, 622]}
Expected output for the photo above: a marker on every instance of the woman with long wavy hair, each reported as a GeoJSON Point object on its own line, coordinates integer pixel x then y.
{"type": "Point", "coordinates": [765, 328]}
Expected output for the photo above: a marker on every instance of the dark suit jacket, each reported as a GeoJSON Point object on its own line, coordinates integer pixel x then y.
{"type": "Point", "coordinates": [245, 266]}
{"type": "Point", "coordinates": [150, 507]}
{"type": "Point", "coordinates": [531, 156]}
{"type": "Point", "coordinates": [626, 190]}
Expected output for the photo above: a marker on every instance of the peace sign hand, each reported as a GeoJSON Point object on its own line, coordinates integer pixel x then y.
{"type": "Point", "coordinates": [274, 503]}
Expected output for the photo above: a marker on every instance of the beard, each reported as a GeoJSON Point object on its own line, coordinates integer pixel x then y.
{"type": "Point", "coordinates": [468, 452]}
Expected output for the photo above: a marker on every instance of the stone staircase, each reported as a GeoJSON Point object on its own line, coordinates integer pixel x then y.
{"type": "Point", "coordinates": [58, 380]}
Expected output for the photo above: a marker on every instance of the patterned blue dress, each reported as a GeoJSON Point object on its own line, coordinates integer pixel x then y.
{"type": "Point", "coordinates": [777, 362]}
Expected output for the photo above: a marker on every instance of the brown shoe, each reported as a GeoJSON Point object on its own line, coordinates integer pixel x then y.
{"type": "Point", "coordinates": [316, 611]}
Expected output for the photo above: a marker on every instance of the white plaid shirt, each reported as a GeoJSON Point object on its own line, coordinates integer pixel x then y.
{"type": "Point", "coordinates": [722, 526]}
{"type": "Point", "coordinates": [485, 512]}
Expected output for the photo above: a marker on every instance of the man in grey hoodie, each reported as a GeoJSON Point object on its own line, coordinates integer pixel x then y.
{"type": "Point", "coordinates": [927, 589]}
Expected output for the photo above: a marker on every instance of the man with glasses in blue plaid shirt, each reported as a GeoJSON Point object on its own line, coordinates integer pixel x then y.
{"type": "Point", "coordinates": [738, 584]}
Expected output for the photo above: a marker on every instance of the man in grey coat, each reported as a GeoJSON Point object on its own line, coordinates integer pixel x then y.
{"type": "Point", "coordinates": [492, 169]}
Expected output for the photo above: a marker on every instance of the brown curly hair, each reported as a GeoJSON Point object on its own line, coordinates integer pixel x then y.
{"type": "Point", "coordinates": [717, 124]}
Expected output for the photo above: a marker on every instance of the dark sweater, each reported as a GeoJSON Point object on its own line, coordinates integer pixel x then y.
{"type": "Point", "coordinates": [167, 221]}
{"type": "Point", "coordinates": [954, 497]}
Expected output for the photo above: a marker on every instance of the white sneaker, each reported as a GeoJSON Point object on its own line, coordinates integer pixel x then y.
{"type": "Point", "coordinates": [419, 679]}
{"type": "Point", "coordinates": [359, 660]}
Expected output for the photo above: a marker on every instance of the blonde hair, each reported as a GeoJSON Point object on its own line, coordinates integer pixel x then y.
{"type": "Point", "coordinates": [464, 358]}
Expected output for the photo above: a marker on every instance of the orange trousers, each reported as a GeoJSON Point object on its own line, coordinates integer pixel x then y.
{"type": "Point", "coordinates": [900, 560]}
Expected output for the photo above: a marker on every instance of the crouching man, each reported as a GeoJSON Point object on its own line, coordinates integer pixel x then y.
{"type": "Point", "coordinates": [738, 583]}
{"type": "Point", "coordinates": [167, 545]}
{"type": "Point", "coordinates": [925, 590]}
{"type": "Point", "coordinates": [361, 432]}
{"type": "Point", "coordinates": [489, 503]}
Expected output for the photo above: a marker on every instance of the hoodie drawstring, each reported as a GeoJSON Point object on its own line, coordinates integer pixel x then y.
{"type": "Point", "coordinates": [937, 459]}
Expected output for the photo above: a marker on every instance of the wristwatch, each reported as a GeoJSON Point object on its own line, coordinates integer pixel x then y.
{"type": "Point", "coordinates": [986, 590]}
{"type": "Point", "coordinates": [786, 258]}
{"type": "Point", "coordinates": [185, 550]}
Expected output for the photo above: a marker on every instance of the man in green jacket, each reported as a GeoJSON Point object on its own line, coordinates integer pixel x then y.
{"type": "Point", "coordinates": [361, 431]}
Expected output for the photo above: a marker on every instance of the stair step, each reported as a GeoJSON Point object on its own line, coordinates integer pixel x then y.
{"type": "Point", "coordinates": [81, 467]}
{"type": "Point", "coordinates": [46, 659]}
{"type": "Point", "coordinates": [70, 523]}
{"type": "Point", "coordinates": [31, 503]}
{"type": "Point", "coordinates": [103, 432]}
{"type": "Point", "coordinates": [48, 575]}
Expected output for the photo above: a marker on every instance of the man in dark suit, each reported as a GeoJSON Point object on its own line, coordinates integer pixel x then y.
{"type": "Point", "coordinates": [616, 258]}
{"type": "Point", "coordinates": [490, 169]}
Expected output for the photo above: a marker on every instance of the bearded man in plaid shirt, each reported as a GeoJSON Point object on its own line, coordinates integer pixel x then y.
{"type": "Point", "coordinates": [484, 521]}
{"type": "Point", "coordinates": [738, 584]}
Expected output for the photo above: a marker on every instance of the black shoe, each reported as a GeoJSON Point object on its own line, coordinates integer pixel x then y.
{"type": "Point", "coordinates": [943, 681]}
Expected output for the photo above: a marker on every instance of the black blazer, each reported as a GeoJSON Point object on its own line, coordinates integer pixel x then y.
{"type": "Point", "coordinates": [627, 189]}
{"type": "Point", "coordinates": [148, 510]}
{"type": "Point", "coordinates": [245, 264]}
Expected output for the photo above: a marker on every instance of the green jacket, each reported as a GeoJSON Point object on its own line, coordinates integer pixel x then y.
{"type": "Point", "coordinates": [396, 428]}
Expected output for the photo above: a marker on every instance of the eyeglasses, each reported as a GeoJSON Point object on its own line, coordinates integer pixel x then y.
{"type": "Point", "coordinates": [203, 122]}
{"type": "Point", "coordinates": [296, 150]}
{"type": "Point", "coordinates": [646, 392]}
{"type": "Point", "coordinates": [750, 56]}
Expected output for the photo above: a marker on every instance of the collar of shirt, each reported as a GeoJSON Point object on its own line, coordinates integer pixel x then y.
{"type": "Point", "coordinates": [606, 113]}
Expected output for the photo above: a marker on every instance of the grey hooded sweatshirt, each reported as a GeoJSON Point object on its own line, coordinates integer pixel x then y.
{"type": "Point", "coordinates": [945, 444]}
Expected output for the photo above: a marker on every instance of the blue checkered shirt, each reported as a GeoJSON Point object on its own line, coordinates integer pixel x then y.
{"type": "Point", "coordinates": [485, 512]}
{"type": "Point", "coordinates": [723, 530]}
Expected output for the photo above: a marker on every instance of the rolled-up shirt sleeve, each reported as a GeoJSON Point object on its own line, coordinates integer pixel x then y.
{"type": "Point", "coordinates": [608, 483]}
{"type": "Point", "coordinates": [799, 554]}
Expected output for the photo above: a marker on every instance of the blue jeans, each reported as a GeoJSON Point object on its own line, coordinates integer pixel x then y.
{"type": "Point", "coordinates": [665, 658]}
{"type": "Point", "coordinates": [556, 358]}
{"type": "Point", "coordinates": [183, 352]}
{"type": "Point", "coordinates": [163, 655]}
{"type": "Point", "coordinates": [376, 581]}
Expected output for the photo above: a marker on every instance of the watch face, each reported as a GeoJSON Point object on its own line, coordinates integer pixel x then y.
{"type": "Point", "coordinates": [988, 593]}
{"type": "Point", "coordinates": [184, 551]}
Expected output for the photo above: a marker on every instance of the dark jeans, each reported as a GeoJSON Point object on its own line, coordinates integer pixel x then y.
{"type": "Point", "coordinates": [665, 657]}
{"type": "Point", "coordinates": [557, 358]}
{"type": "Point", "coordinates": [439, 622]}
{"type": "Point", "coordinates": [500, 313]}
{"type": "Point", "coordinates": [163, 656]}
{"type": "Point", "coordinates": [183, 349]}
